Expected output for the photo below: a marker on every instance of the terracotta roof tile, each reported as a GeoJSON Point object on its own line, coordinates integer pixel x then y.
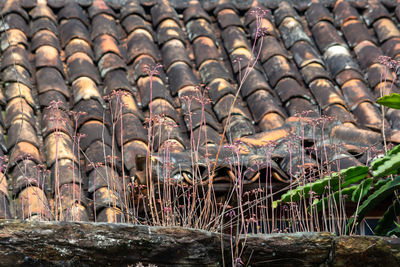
{"type": "Point", "coordinates": [42, 11]}
{"type": "Point", "coordinates": [13, 37]}
{"type": "Point", "coordinates": [44, 37]}
{"type": "Point", "coordinates": [72, 10]}
{"type": "Point", "coordinates": [87, 72]}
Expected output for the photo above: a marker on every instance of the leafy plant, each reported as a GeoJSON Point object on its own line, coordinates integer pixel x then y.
{"type": "Point", "coordinates": [354, 184]}
{"type": "Point", "coordinates": [391, 101]}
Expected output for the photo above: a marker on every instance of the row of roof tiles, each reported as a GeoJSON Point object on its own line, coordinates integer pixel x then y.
{"type": "Point", "coordinates": [81, 79]}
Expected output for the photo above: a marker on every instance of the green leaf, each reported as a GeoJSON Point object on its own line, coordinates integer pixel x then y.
{"type": "Point", "coordinates": [373, 200]}
{"type": "Point", "coordinates": [385, 224]}
{"type": "Point", "coordinates": [395, 231]}
{"type": "Point", "coordinates": [381, 183]}
{"type": "Point", "coordinates": [389, 164]}
{"type": "Point", "coordinates": [361, 190]}
{"type": "Point", "coordinates": [391, 101]}
{"type": "Point", "coordinates": [324, 202]}
{"type": "Point", "coordinates": [347, 176]}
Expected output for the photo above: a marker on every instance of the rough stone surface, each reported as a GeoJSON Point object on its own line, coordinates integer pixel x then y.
{"type": "Point", "coordinates": [88, 244]}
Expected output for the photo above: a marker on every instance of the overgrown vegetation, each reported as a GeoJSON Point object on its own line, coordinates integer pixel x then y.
{"type": "Point", "coordinates": [218, 188]}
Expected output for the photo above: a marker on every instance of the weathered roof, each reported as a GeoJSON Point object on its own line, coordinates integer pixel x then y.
{"type": "Point", "coordinates": [81, 80]}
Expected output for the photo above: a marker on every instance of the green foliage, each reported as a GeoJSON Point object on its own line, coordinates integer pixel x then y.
{"type": "Point", "coordinates": [347, 176]}
{"type": "Point", "coordinates": [389, 164]}
{"type": "Point", "coordinates": [391, 101]}
{"type": "Point", "coordinates": [361, 190]}
{"type": "Point", "coordinates": [373, 200]}
{"type": "Point", "coordinates": [355, 183]}
{"type": "Point", "coordinates": [319, 204]}
{"type": "Point", "coordinates": [385, 224]}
